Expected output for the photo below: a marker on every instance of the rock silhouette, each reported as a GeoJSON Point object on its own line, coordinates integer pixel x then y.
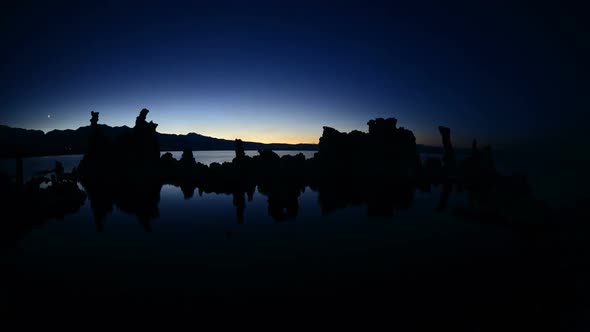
{"type": "Point", "coordinates": [449, 152]}
{"type": "Point", "coordinates": [145, 144]}
{"type": "Point", "coordinates": [124, 171]}
{"type": "Point", "coordinates": [385, 151]}
{"type": "Point", "coordinates": [240, 153]}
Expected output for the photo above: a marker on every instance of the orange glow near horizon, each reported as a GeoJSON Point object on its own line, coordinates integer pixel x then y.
{"type": "Point", "coordinates": [268, 138]}
{"type": "Point", "coordinates": [285, 137]}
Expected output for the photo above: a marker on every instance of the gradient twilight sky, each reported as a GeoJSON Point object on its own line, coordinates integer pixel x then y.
{"type": "Point", "coordinates": [279, 71]}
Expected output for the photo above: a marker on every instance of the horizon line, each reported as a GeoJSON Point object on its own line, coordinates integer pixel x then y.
{"type": "Point", "coordinates": [46, 131]}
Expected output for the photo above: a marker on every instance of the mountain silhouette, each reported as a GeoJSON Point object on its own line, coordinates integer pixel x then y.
{"type": "Point", "coordinates": [28, 143]}
{"type": "Point", "coordinates": [15, 141]}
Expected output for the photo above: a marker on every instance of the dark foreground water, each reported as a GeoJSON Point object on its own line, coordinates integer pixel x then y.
{"type": "Point", "coordinates": [424, 263]}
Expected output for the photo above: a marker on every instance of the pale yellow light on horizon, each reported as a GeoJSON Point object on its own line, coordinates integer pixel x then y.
{"type": "Point", "coordinates": [280, 139]}
{"type": "Point", "coordinates": [295, 139]}
{"type": "Point", "coordinates": [269, 137]}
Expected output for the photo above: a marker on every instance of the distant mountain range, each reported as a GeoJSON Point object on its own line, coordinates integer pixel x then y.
{"type": "Point", "coordinates": [27, 142]}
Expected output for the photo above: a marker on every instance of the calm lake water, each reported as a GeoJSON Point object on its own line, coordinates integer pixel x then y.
{"type": "Point", "coordinates": [205, 227]}
{"type": "Point", "coordinates": [556, 181]}
{"type": "Point", "coordinates": [199, 240]}
{"type": "Point", "coordinates": [422, 260]}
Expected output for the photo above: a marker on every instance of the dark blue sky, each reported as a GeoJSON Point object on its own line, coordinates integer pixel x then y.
{"type": "Point", "coordinates": [279, 71]}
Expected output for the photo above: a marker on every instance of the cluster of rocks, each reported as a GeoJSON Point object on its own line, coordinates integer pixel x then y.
{"type": "Point", "coordinates": [376, 168]}
{"type": "Point", "coordinates": [385, 152]}
{"type": "Point", "coordinates": [380, 168]}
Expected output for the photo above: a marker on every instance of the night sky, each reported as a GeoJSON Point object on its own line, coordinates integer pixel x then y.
{"type": "Point", "coordinates": [279, 71]}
